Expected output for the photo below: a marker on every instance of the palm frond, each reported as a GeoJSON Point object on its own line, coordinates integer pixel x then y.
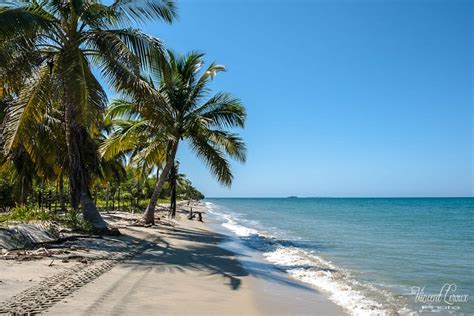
{"type": "Point", "coordinates": [24, 21]}
{"type": "Point", "coordinates": [230, 143]}
{"type": "Point", "coordinates": [148, 49]}
{"type": "Point", "coordinates": [152, 154]}
{"type": "Point", "coordinates": [18, 59]}
{"type": "Point", "coordinates": [120, 108]}
{"type": "Point", "coordinates": [28, 108]}
{"type": "Point", "coordinates": [123, 75]}
{"type": "Point", "coordinates": [88, 96]}
{"type": "Point", "coordinates": [145, 10]}
{"type": "Point", "coordinates": [213, 158]}
{"type": "Point", "coordinates": [96, 15]}
{"type": "Point", "coordinates": [123, 139]}
{"type": "Point", "coordinates": [223, 110]}
{"type": "Point", "coordinates": [112, 169]}
{"type": "Point", "coordinates": [201, 87]}
{"type": "Point", "coordinates": [108, 45]}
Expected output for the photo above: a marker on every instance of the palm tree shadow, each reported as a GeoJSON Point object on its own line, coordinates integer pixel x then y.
{"type": "Point", "coordinates": [205, 255]}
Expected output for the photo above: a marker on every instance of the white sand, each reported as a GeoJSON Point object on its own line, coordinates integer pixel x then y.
{"type": "Point", "coordinates": [181, 270]}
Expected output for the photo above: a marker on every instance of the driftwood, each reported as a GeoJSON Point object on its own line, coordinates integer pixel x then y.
{"type": "Point", "coordinates": [192, 214]}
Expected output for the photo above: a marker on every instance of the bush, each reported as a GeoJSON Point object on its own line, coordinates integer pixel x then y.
{"type": "Point", "coordinates": [23, 213]}
{"type": "Point", "coordinates": [26, 214]}
{"type": "Point", "coordinates": [74, 220]}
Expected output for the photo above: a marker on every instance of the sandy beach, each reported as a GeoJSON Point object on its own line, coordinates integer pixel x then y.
{"type": "Point", "coordinates": [179, 267]}
{"type": "Point", "coordinates": [160, 157]}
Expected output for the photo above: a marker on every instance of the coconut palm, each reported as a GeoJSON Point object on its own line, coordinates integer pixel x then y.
{"type": "Point", "coordinates": [186, 111]}
{"type": "Point", "coordinates": [56, 44]}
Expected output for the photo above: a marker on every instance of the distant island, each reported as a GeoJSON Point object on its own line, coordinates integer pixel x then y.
{"type": "Point", "coordinates": [292, 197]}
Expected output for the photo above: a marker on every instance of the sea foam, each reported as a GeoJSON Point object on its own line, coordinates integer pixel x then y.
{"type": "Point", "coordinates": [306, 266]}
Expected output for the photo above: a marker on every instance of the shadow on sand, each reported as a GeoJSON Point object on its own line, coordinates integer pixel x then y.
{"type": "Point", "coordinates": [204, 255]}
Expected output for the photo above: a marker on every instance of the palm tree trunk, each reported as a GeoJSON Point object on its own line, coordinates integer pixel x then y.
{"type": "Point", "coordinates": [78, 177]}
{"type": "Point", "coordinates": [25, 190]}
{"type": "Point", "coordinates": [113, 200]}
{"type": "Point", "coordinates": [95, 196]}
{"type": "Point", "coordinates": [173, 175]}
{"type": "Point", "coordinates": [62, 201]}
{"type": "Point", "coordinates": [76, 136]}
{"type": "Point", "coordinates": [40, 196]}
{"type": "Point", "coordinates": [118, 199]}
{"type": "Point", "coordinates": [138, 194]}
{"type": "Point", "coordinates": [50, 199]}
{"type": "Point", "coordinates": [107, 199]}
{"type": "Point", "coordinates": [56, 195]}
{"type": "Point", "coordinates": [149, 215]}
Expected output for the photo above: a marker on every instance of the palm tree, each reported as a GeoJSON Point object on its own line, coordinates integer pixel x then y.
{"type": "Point", "coordinates": [56, 44]}
{"type": "Point", "coordinates": [184, 110]}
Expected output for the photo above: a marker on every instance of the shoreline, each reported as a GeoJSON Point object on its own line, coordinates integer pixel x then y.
{"type": "Point", "coordinates": [187, 267]}
{"type": "Point", "coordinates": [366, 256]}
{"type": "Point", "coordinates": [277, 292]}
{"type": "Point", "coordinates": [301, 266]}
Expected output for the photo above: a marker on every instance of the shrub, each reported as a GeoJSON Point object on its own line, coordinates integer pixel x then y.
{"type": "Point", "coordinates": [23, 213]}
{"type": "Point", "coordinates": [74, 220]}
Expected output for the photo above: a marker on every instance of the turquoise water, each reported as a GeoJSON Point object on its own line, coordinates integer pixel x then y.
{"type": "Point", "coordinates": [371, 255]}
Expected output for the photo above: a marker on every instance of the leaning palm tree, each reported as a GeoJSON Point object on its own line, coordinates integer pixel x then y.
{"type": "Point", "coordinates": [184, 110]}
{"type": "Point", "coordinates": [56, 44]}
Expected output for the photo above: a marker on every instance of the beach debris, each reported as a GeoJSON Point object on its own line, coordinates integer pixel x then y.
{"type": "Point", "coordinates": [42, 250]}
{"type": "Point", "coordinates": [27, 255]}
{"type": "Point", "coordinates": [192, 214]}
{"type": "Point", "coordinates": [27, 236]}
{"type": "Point", "coordinates": [64, 252]}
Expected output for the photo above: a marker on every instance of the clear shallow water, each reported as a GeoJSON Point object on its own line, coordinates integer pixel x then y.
{"type": "Point", "coordinates": [369, 255]}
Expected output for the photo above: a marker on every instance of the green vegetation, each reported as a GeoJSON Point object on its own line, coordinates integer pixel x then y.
{"type": "Point", "coordinates": [180, 108]}
{"type": "Point", "coordinates": [65, 150]}
{"type": "Point", "coordinates": [33, 214]}
{"type": "Point", "coordinates": [23, 213]}
{"type": "Point", "coordinates": [123, 193]}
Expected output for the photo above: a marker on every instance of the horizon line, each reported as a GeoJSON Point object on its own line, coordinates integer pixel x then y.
{"type": "Point", "coordinates": [338, 197]}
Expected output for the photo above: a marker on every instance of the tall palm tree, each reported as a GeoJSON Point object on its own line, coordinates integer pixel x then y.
{"type": "Point", "coordinates": [57, 42]}
{"type": "Point", "coordinates": [186, 111]}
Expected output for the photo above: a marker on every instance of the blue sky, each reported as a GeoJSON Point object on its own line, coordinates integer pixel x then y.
{"type": "Point", "coordinates": [344, 98]}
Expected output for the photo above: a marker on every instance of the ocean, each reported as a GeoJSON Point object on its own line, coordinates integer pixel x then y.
{"type": "Point", "coordinates": [372, 256]}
